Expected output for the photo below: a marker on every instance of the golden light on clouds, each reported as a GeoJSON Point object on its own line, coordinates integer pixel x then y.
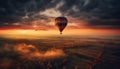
{"type": "Point", "coordinates": [29, 51]}
{"type": "Point", "coordinates": [33, 34]}
{"type": "Point", "coordinates": [29, 34]}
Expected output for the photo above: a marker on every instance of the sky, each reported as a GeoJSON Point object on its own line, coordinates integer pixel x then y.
{"type": "Point", "coordinates": [84, 16]}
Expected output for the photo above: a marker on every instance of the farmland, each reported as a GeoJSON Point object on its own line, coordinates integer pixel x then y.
{"type": "Point", "coordinates": [60, 52]}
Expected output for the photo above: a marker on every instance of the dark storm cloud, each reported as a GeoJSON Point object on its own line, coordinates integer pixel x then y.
{"type": "Point", "coordinates": [14, 10]}
{"type": "Point", "coordinates": [94, 12]}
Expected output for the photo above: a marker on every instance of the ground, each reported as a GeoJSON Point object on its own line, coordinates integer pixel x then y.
{"type": "Point", "coordinates": [60, 52]}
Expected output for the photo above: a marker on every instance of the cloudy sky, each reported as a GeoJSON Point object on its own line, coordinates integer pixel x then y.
{"type": "Point", "coordinates": [81, 14]}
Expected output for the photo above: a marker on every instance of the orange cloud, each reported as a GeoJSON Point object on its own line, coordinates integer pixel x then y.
{"type": "Point", "coordinates": [32, 52]}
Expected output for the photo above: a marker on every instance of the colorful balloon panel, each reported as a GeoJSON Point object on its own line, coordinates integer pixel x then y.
{"type": "Point", "coordinates": [61, 23]}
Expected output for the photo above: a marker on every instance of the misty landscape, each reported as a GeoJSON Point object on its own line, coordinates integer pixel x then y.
{"type": "Point", "coordinates": [59, 34]}
{"type": "Point", "coordinates": [60, 52]}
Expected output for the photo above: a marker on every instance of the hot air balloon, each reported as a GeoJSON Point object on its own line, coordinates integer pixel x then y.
{"type": "Point", "coordinates": [61, 23]}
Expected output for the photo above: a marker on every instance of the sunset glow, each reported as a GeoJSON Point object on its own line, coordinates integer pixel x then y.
{"type": "Point", "coordinates": [59, 34]}
{"type": "Point", "coordinates": [35, 34]}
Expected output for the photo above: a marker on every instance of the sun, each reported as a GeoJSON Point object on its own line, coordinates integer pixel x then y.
{"type": "Point", "coordinates": [23, 31]}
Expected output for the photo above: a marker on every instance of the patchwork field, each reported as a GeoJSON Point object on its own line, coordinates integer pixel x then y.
{"type": "Point", "coordinates": [60, 52]}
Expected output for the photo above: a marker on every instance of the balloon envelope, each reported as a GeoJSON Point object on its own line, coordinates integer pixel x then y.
{"type": "Point", "coordinates": [61, 23]}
